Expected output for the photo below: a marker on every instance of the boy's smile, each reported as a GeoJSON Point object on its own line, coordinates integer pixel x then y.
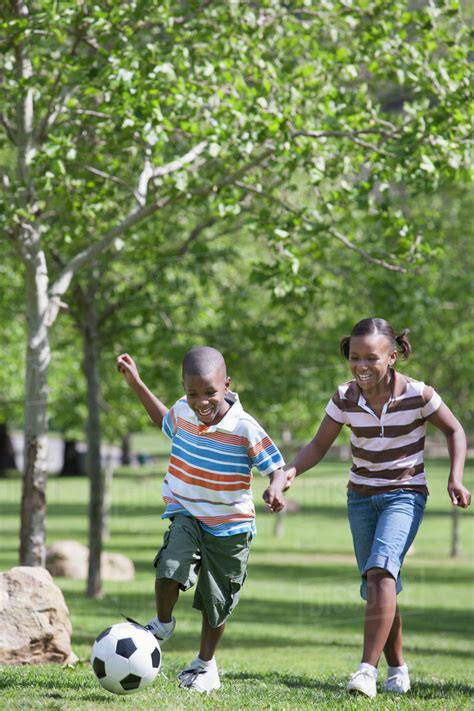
{"type": "Point", "coordinates": [206, 395]}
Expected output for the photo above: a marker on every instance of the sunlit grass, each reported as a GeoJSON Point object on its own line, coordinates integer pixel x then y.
{"type": "Point", "coordinates": [296, 634]}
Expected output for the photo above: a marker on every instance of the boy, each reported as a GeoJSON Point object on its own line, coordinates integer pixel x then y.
{"type": "Point", "coordinates": [208, 499]}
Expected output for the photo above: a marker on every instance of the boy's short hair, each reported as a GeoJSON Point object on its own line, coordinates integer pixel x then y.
{"type": "Point", "coordinates": [203, 360]}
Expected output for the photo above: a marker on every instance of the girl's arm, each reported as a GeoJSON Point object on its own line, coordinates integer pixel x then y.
{"type": "Point", "coordinates": [315, 450]}
{"type": "Point", "coordinates": [445, 421]}
{"type": "Point", "coordinates": [155, 408]}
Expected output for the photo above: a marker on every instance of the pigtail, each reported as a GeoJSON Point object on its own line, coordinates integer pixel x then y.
{"type": "Point", "coordinates": [344, 345]}
{"type": "Point", "coordinates": [403, 343]}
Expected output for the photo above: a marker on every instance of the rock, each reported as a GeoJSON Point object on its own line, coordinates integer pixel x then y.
{"type": "Point", "coordinates": [70, 559]}
{"type": "Point", "coordinates": [116, 566]}
{"type": "Point", "coordinates": [34, 619]}
{"type": "Point", "coordinates": [67, 559]}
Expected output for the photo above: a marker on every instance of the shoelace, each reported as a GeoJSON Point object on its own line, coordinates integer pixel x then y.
{"type": "Point", "coordinates": [189, 676]}
{"type": "Point", "coordinates": [152, 629]}
{"type": "Point", "coordinates": [396, 677]}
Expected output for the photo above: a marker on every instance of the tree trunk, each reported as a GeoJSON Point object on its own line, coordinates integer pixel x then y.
{"type": "Point", "coordinates": [33, 500]}
{"type": "Point", "coordinates": [94, 465]}
{"type": "Point", "coordinates": [126, 459]}
{"type": "Point", "coordinates": [7, 453]}
{"type": "Point", "coordinates": [73, 461]}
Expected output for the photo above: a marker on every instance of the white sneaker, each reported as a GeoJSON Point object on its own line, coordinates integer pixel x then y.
{"type": "Point", "coordinates": [364, 681]}
{"type": "Point", "coordinates": [398, 680]}
{"type": "Point", "coordinates": [200, 676]}
{"type": "Point", "coordinates": [161, 630]}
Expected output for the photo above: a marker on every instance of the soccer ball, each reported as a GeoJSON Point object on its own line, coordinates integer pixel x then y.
{"type": "Point", "coordinates": [125, 658]}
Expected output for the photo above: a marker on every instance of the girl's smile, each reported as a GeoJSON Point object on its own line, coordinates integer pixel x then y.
{"type": "Point", "coordinates": [370, 360]}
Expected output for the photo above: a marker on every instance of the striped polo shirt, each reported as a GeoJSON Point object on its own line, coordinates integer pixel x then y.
{"type": "Point", "coordinates": [387, 451]}
{"type": "Point", "coordinates": [210, 468]}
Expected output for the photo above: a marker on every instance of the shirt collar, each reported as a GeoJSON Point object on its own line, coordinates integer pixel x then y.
{"type": "Point", "coordinates": [230, 419]}
{"type": "Point", "coordinates": [398, 383]}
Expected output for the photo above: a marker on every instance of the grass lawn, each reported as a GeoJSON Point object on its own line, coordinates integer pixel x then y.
{"type": "Point", "coordinates": [297, 633]}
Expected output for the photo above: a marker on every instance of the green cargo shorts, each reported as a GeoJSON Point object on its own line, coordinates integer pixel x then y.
{"type": "Point", "coordinates": [217, 563]}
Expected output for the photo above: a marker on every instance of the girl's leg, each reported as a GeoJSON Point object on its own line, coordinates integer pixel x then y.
{"type": "Point", "coordinates": [379, 614]}
{"type": "Point", "coordinates": [393, 648]}
{"type": "Point", "coordinates": [210, 638]}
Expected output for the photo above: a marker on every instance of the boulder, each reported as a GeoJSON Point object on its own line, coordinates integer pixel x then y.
{"type": "Point", "coordinates": [34, 619]}
{"type": "Point", "coordinates": [70, 559]}
{"type": "Point", "coordinates": [67, 559]}
{"type": "Point", "coordinates": [116, 566]}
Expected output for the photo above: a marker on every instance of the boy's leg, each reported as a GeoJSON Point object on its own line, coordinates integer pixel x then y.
{"type": "Point", "coordinates": [210, 638]}
{"type": "Point", "coordinates": [222, 574]}
{"type": "Point", "coordinates": [166, 597]}
{"type": "Point", "coordinates": [177, 563]}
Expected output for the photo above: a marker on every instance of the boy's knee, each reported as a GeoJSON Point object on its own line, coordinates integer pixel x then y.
{"type": "Point", "coordinates": [166, 584]}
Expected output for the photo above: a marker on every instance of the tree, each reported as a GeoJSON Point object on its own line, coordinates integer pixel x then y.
{"type": "Point", "coordinates": [118, 112]}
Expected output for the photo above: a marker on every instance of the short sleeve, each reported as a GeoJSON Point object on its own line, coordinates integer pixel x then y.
{"type": "Point", "coordinates": [169, 424]}
{"type": "Point", "coordinates": [263, 453]}
{"type": "Point", "coordinates": [432, 402]}
{"type": "Point", "coordinates": [334, 409]}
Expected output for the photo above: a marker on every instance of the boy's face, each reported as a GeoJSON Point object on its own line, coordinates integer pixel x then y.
{"type": "Point", "coordinates": [370, 359]}
{"type": "Point", "coordinates": [206, 395]}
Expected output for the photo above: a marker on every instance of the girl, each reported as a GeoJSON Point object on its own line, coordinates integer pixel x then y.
{"type": "Point", "coordinates": [387, 413]}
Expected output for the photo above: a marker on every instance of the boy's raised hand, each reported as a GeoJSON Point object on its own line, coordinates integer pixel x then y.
{"type": "Point", "coordinates": [127, 366]}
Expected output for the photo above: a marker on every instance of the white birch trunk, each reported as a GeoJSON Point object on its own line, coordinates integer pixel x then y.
{"type": "Point", "coordinates": [33, 500]}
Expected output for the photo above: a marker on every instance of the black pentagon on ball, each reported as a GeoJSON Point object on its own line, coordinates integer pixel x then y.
{"type": "Point", "coordinates": [126, 647]}
{"type": "Point", "coordinates": [130, 682]}
{"type": "Point", "coordinates": [103, 634]}
{"type": "Point", "coordinates": [155, 658]}
{"type": "Point", "coordinates": [99, 667]}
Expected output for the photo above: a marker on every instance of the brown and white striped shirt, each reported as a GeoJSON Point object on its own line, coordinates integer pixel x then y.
{"type": "Point", "coordinates": [387, 451]}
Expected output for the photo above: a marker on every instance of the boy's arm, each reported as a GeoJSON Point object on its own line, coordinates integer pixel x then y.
{"type": "Point", "coordinates": [273, 494]}
{"type": "Point", "coordinates": [155, 408]}
{"type": "Point", "coordinates": [315, 450]}
{"type": "Point", "coordinates": [445, 421]}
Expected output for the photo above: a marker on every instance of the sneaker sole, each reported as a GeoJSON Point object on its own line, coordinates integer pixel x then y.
{"type": "Point", "coordinates": [359, 692]}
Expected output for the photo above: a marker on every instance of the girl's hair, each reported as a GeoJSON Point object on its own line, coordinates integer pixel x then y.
{"type": "Point", "coordinates": [378, 327]}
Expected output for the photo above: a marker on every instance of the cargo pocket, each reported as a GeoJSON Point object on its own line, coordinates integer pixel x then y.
{"type": "Point", "coordinates": [157, 557]}
{"type": "Point", "coordinates": [236, 584]}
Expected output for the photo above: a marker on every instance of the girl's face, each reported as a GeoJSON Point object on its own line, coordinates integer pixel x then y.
{"type": "Point", "coordinates": [370, 359]}
{"type": "Point", "coordinates": [206, 395]}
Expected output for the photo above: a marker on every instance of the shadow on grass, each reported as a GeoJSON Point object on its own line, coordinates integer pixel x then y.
{"type": "Point", "coordinates": [290, 681]}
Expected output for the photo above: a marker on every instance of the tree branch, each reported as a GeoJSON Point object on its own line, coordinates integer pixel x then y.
{"type": "Point", "coordinates": [63, 281]}
{"type": "Point", "coordinates": [50, 118]}
{"type": "Point", "coordinates": [373, 260]}
{"type": "Point", "coordinates": [9, 128]}
{"type": "Point", "coordinates": [342, 238]}
{"type": "Point", "coordinates": [346, 134]}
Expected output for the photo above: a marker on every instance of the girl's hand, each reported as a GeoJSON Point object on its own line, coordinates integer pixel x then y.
{"type": "Point", "coordinates": [127, 366]}
{"type": "Point", "coordinates": [290, 477]}
{"type": "Point", "coordinates": [459, 495]}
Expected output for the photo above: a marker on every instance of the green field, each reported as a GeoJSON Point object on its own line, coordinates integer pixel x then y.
{"type": "Point", "coordinates": [296, 635]}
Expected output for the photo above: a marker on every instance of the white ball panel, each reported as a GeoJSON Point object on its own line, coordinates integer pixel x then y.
{"type": "Point", "coordinates": [117, 667]}
{"type": "Point", "coordinates": [140, 662]}
{"type": "Point", "coordinates": [104, 648]}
